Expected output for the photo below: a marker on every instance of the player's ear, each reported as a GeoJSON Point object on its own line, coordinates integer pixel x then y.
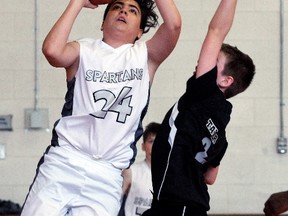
{"type": "Point", "coordinates": [139, 34]}
{"type": "Point", "coordinates": [226, 82]}
{"type": "Point", "coordinates": [102, 26]}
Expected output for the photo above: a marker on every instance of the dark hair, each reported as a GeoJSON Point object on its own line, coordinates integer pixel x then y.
{"type": "Point", "coordinates": [149, 18]}
{"type": "Point", "coordinates": [240, 66]}
{"type": "Point", "coordinates": [151, 128]}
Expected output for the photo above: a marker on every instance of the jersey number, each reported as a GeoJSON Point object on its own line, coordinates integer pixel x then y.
{"type": "Point", "coordinates": [200, 156]}
{"type": "Point", "coordinates": [106, 101]}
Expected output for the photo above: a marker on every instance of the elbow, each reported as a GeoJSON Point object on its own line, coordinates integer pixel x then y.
{"type": "Point", "coordinates": [174, 26]}
{"type": "Point", "coordinates": [177, 29]}
{"type": "Point", "coordinates": [210, 175]}
{"type": "Point", "coordinates": [218, 31]}
{"type": "Point", "coordinates": [50, 54]}
{"type": "Point", "coordinates": [177, 25]}
{"type": "Point", "coordinates": [210, 181]}
{"type": "Point", "coordinates": [174, 32]}
{"type": "Point", "coordinates": [48, 50]}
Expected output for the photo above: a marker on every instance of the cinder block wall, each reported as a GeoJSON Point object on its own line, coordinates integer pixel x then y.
{"type": "Point", "coordinates": [251, 169]}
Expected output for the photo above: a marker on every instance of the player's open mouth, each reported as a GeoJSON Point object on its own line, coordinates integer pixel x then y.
{"type": "Point", "coordinates": [122, 19]}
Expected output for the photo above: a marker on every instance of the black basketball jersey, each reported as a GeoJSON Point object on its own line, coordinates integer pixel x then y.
{"type": "Point", "coordinates": [191, 139]}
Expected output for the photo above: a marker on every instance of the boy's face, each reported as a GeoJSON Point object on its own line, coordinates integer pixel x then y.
{"type": "Point", "coordinates": [147, 146]}
{"type": "Point", "coordinates": [124, 16]}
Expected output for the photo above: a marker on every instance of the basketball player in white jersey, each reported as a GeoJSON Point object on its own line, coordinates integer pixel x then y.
{"type": "Point", "coordinates": [138, 183]}
{"type": "Point", "coordinates": [108, 86]}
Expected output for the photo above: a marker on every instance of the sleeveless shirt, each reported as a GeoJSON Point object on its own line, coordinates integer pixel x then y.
{"type": "Point", "coordinates": [139, 198]}
{"type": "Point", "coordinates": [106, 102]}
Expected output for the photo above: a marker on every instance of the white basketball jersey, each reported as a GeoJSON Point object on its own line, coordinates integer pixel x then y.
{"type": "Point", "coordinates": [139, 198]}
{"type": "Point", "coordinates": [106, 102]}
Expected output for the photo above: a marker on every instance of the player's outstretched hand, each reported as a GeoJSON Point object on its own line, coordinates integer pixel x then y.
{"type": "Point", "coordinates": [276, 204]}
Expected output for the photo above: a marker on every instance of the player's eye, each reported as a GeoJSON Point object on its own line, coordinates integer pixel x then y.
{"type": "Point", "coordinates": [134, 11]}
{"type": "Point", "coordinates": [116, 7]}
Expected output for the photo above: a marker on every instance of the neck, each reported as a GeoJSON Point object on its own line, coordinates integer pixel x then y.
{"type": "Point", "coordinates": [117, 40]}
{"type": "Point", "coordinates": [148, 162]}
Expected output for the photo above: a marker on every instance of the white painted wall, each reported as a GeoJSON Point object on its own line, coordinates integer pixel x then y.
{"type": "Point", "coordinates": [251, 169]}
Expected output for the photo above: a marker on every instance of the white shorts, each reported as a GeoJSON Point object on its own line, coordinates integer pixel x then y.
{"type": "Point", "coordinates": [70, 183]}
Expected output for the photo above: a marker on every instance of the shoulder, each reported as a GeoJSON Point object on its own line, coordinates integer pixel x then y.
{"type": "Point", "coordinates": [140, 46]}
{"type": "Point", "coordinates": [202, 86]}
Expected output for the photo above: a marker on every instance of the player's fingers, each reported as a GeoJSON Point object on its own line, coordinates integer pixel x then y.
{"type": "Point", "coordinates": [89, 4]}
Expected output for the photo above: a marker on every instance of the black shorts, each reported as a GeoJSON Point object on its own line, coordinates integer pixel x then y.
{"type": "Point", "coordinates": [169, 209]}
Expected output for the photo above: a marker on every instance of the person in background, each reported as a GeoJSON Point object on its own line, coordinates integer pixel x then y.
{"type": "Point", "coordinates": [276, 204]}
{"type": "Point", "coordinates": [108, 88]}
{"type": "Point", "coordinates": [137, 185]}
{"type": "Point", "coordinates": [191, 142]}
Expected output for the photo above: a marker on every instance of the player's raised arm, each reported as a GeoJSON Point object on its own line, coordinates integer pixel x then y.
{"type": "Point", "coordinates": [219, 27]}
{"type": "Point", "coordinates": [164, 40]}
{"type": "Point", "coordinates": [56, 48]}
